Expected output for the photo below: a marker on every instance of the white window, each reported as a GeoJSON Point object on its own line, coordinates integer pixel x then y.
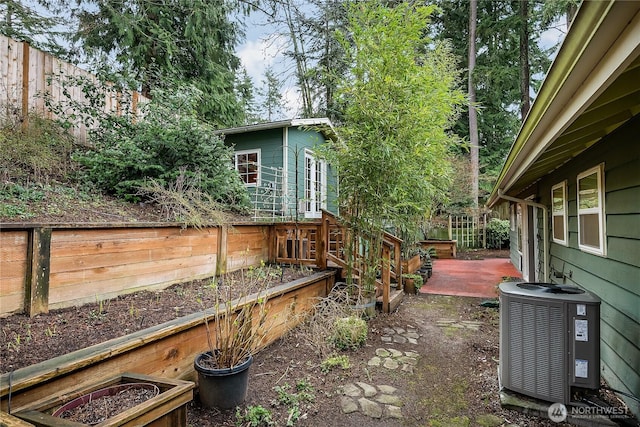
{"type": "Point", "coordinates": [591, 219]}
{"type": "Point", "coordinates": [247, 164]}
{"type": "Point", "coordinates": [559, 212]}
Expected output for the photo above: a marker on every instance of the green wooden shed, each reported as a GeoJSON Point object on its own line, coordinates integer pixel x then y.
{"type": "Point", "coordinates": [572, 179]}
{"type": "Point", "coordinates": [285, 177]}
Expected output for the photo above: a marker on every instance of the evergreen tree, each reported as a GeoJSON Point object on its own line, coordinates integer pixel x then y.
{"type": "Point", "coordinates": [272, 102]}
{"type": "Point", "coordinates": [22, 22]}
{"type": "Point", "coordinates": [501, 69]}
{"type": "Point", "coordinates": [192, 40]}
{"type": "Point", "coordinates": [245, 91]}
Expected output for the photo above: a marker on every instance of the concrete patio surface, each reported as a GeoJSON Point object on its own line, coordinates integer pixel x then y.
{"type": "Point", "coordinates": [469, 278]}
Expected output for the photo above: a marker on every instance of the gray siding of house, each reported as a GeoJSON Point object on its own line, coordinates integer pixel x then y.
{"type": "Point", "coordinates": [615, 278]}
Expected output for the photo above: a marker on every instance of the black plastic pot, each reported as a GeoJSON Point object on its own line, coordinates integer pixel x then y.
{"type": "Point", "coordinates": [222, 388]}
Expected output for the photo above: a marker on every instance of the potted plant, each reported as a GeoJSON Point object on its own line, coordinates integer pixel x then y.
{"type": "Point", "coordinates": [235, 330]}
{"type": "Point", "coordinates": [412, 283]}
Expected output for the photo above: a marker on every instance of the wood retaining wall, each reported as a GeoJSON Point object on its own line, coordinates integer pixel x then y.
{"type": "Point", "coordinates": [167, 350]}
{"type": "Point", "coordinates": [44, 267]}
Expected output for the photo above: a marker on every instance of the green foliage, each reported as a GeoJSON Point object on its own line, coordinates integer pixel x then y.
{"type": "Point", "coordinates": [293, 401]}
{"type": "Point", "coordinates": [34, 152]}
{"type": "Point", "coordinates": [254, 416]}
{"type": "Point", "coordinates": [335, 361]}
{"type": "Point", "coordinates": [497, 72]}
{"type": "Point", "coordinates": [418, 281]}
{"type": "Point", "coordinates": [168, 144]}
{"type": "Point", "coordinates": [497, 233]}
{"type": "Point", "coordinates": [264, 271]}
{"type": "Point", "coordinates": [24, 23]}
{"type": "Point", "coordinates": [157, 42]}
{"type": "Point", "coordinates": [349, 333]}
{"type": "Point", "coordinates": [401, 99]}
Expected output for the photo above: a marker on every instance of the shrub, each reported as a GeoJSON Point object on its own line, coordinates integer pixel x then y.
{"type": "Point", "coordinates": [167, 143]}
{"type": "Point", "coordinates": [497, 233]}
{"type": "Point", "coordinates": [349, 333]}
{"type": "Point", "coordinates": [33, 152]}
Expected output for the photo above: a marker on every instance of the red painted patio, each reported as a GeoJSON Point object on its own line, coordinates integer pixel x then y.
{"type": "Point", "coordinates": [470, 278]}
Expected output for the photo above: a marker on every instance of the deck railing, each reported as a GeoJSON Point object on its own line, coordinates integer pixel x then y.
{"type": "Point", "coordinates": [322, 244]}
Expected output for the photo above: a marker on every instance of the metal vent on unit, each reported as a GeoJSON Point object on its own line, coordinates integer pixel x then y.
{"type": "Point", "coordinates": [549, 339]}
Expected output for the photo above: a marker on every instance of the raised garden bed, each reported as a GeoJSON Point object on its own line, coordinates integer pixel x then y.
{"type": "Point", "coordinates": [166, 350]}
{"type": "Point", "coordinates": [166, 409]}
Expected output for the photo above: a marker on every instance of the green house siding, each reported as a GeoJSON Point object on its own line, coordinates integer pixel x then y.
{"type": "Point", "coordinates": [615, 277]}
{"type": "Point", "coordinates": [282, 152]}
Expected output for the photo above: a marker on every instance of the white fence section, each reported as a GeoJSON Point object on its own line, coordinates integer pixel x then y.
{"type": "Point", "coordinates": [468, 230]}
{"type": "Point", "coordinates": [272, 200]}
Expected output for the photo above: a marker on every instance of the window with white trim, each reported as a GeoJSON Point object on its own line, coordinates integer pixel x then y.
{"type": "Point", "coordinates": [559, 212]}
{"type": "Point", "coordinates": [247, 163]}
{"type": "Point", "coordinates": [591, 211]}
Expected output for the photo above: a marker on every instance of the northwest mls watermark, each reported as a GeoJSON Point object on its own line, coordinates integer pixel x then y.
{"type": "Point", "coordinates": [558, 412]}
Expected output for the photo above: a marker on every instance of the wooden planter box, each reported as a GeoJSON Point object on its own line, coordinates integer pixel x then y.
{"type": "Point", "coordinates": [444, 248]}
{"type": "Point", "coordinates": [167, 409]}
{"type": "Point", "coordinates": [411, 265]}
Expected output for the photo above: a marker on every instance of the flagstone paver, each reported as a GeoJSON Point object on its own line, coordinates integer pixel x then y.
{"type": "Point", "coordinates": [373, 401]}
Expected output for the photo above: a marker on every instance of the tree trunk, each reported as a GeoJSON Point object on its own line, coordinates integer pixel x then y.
{"type": "Point", "coordinates": [473, 119]}
{"type": "Point", "coordinates": [301, 66]}
{"type": "Point", "coordinates": [525, 102]}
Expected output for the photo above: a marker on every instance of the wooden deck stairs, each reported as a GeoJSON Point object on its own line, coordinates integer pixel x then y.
{"type": "Point", "coordinates": [321, 244]}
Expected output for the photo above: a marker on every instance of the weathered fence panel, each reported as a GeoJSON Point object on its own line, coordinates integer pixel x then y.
{"type": "Point", "coordinates": [88, 264]}
{"type": "Point", "coordinates": [468, 230]}
{"type": "Point", "coordinates": [27, 73]}
{"type": "Point", "coordinates": [91, 264]}
{"type": "Point", "coordinates": [247, 245]}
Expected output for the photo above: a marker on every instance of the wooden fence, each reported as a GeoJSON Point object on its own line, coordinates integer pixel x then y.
{"type": "Point", "coordinates": [26, 74]}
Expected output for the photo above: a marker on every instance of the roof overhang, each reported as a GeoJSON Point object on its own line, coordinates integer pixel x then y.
{"type": "Point", "coordinates": [591, 89]}
{"type": "Point", "coordinates": [323, 125]}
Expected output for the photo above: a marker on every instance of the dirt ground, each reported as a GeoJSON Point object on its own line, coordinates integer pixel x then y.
{"type": "Point", "coordinates": [454, 381]}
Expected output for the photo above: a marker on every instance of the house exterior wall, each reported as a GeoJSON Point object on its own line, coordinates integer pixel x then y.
{"type": "Point", "coordinates": [615, 277]}
{"type": "Point", "coordinates": [298, 141]}
{"type": "Point", "coordinates": [271, 143]}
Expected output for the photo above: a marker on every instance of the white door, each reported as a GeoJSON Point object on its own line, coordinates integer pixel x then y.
{"type": "Point", "coordinates": [528, 247]}
{"type": "Point", "coordinates": [315, 186]}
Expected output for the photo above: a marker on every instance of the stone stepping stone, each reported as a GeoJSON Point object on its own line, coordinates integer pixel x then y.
{"type": "Point", "coordinates": [392, 359]}
{"type": "Point", "coordinates": [400, 335]}
{"type": "Point", "coordinates": [373, 401]}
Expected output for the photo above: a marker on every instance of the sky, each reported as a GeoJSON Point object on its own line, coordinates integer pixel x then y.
{"type": "Point", "coordinates": [262, 48]}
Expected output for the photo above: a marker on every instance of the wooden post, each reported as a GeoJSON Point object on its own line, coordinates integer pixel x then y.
{"type": "Point", "coordinates": [484, 230]}
{"type": "Point", "coordinates": [37, 286]}
{"type": "Point", "coordinates": [386, 279]}
{"type": "Point", "coordinates": [450, 230]}
{"type": "Point", "coordinates": [321, 244]}
{"type": "Point", "coordinates": [221, 265]}
{"type": "Point", "coordinates": [25, 86]}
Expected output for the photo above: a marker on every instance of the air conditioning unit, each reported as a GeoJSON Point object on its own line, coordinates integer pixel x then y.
{"type": "Point", "coordinates": [549, 340]}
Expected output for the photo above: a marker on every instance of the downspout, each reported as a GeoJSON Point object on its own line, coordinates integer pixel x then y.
{"type": "Point", "coordinates": [545, 239]}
